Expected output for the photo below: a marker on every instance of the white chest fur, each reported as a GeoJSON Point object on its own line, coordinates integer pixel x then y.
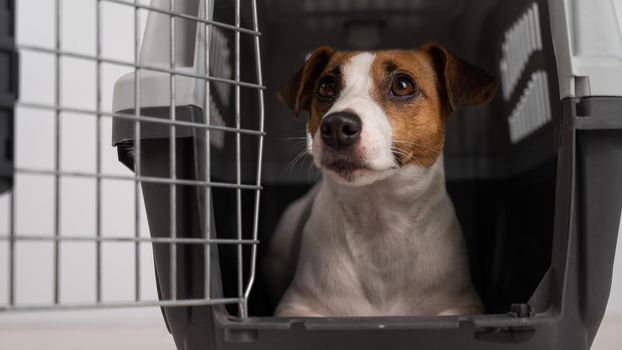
{"type": "Point", "coordinates": [391, 248]}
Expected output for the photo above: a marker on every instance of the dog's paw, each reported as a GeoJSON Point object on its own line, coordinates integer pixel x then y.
{"type": "Point", "coordinates": [462, 310]}
{"type": "Point", "coordinates": [295, 311]}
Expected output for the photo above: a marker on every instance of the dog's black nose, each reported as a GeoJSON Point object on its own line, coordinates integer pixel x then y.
{"type": "Point", "coordinates": [340, 129]}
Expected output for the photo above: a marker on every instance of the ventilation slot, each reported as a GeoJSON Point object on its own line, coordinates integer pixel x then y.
{"type": "Point", "coordinates": [533, 109]}
{"type": "Point", "coordinates": [521, 40]}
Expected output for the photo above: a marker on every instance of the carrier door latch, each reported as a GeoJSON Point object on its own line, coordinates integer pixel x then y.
{"type": "Point", "coordinates": [506, 334]}
{"type": "Point", "coordinates": [509, 334]}
{"type": "Point", "coordinates": [520, 310]}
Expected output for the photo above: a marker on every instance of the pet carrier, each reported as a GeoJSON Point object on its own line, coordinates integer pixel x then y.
{"type": "Point", "coordinates": [533, 175]}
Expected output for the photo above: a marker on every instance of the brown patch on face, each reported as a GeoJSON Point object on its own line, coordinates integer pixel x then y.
{"type": "Point", "coordinates": [442, 83]}
{"type": "Point", "coordinates": [417, 121]}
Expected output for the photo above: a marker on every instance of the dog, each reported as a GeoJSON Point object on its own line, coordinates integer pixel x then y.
{"type": "Point", "coordinates": [378, 235]}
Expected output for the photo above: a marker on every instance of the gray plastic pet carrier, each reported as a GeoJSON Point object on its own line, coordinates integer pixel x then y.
{"type": "Point", "coordinates": [533, 175]}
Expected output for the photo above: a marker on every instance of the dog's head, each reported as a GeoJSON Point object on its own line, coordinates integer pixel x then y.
{"type": "Point", "coordinates": [372, 113]}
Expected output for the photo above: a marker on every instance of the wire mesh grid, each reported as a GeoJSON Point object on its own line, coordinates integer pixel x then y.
{"type": "Point", "coordinates": [175, 238]}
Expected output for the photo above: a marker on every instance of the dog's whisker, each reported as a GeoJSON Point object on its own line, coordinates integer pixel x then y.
{"type": "Point", "coordinates": [409, 142]}
{"type": "Point", "coordinates": [404, 154]}
{"type": "Point", "coordinates": [287, 139]}
{"type": "Point", "coordinates": [301, 160]}
{"type": "Point", "coordinates": [295, 143]}
{"type": "Point", "coordinates": [295, 140]}
{"type": "Point", "coordinates": [400, 152]}
{"type": "Point", "coordinates": [291, 165]}
{"type": "Point", "coordinates": [296, 159]}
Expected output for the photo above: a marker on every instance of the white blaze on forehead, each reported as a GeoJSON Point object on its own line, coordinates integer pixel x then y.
{"type": "Point", "coordinates": [357, 75]}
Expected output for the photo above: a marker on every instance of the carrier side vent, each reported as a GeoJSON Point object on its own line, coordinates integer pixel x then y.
{"type": "Point", "coordinates": [532, 110]}
{"type": "Point", "coordinates": [521, 40]}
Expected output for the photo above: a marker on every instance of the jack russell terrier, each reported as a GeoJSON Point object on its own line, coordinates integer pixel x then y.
{"type": "Point", "coordinates": [378, 236]}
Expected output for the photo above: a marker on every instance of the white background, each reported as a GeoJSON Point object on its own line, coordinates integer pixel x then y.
{"type": "Point", "coordinates": [124, 328]}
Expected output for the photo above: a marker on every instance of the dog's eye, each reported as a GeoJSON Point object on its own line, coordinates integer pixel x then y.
{"type": "Point", "coordinates": [403, 86]}
{"type": "Point", "coordinates": [327, 88]}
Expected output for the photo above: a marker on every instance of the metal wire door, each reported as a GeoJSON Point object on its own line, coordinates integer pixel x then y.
{"type": "Point", "coordinates": [178, 14]}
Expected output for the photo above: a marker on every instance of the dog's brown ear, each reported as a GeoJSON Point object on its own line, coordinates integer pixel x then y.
{"type": "Point", "coordinates": [460, 82]}
{"type": "Point", "coordinates": [297, 92]}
